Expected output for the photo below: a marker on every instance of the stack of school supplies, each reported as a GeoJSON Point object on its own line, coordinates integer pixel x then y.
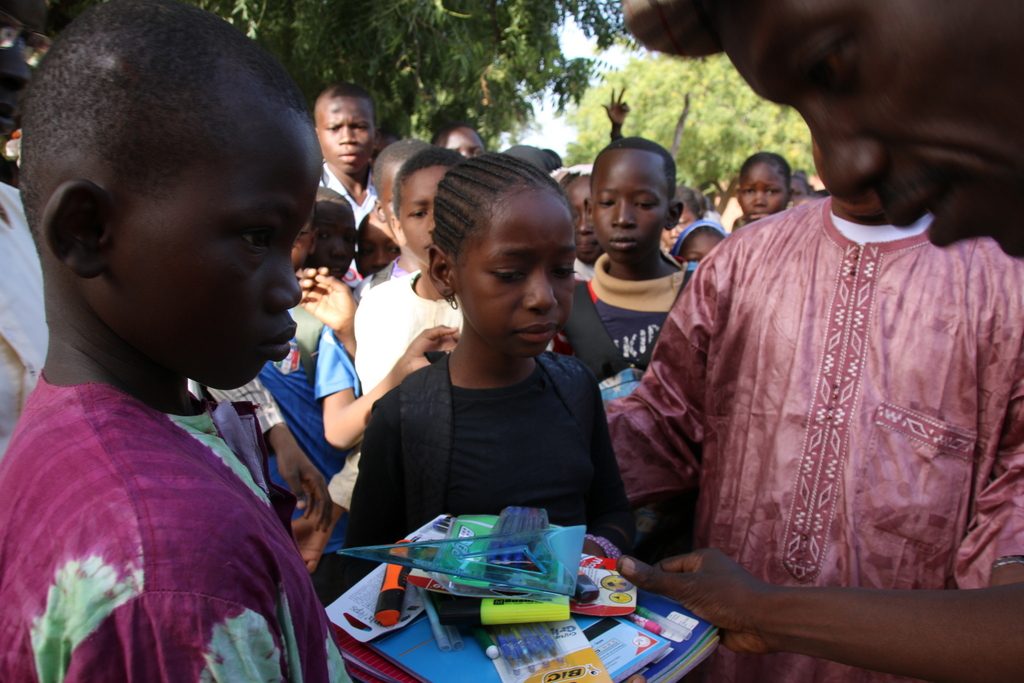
{"type": "Point", "coordinates": [499, 612]}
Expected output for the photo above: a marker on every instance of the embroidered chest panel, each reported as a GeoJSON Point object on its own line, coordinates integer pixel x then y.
{"type": "Point", "coordinates": [819, 477]}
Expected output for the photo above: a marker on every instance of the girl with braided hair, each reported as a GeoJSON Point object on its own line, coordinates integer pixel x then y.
{"type": "Point", "coordinates": [500, 421]}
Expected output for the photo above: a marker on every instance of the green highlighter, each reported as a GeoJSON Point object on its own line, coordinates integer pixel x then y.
{"type": "Point", "coordinates": [496, 611]}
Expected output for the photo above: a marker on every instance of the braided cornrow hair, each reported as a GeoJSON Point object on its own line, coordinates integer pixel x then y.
{"type": "Point", "coordinates": [468, 194]}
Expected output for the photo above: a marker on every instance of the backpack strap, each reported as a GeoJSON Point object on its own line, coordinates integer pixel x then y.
{"type": "Point", "coordinates": [307, 336]}
{"type": "Point", "coordinates": [425, 405]}
{"type": "Point", "coordinates": [589, 338]}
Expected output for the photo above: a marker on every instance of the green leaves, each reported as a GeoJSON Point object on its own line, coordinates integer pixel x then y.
{"type": "Point", "coordinates": [427, 62]}
{"type": "Point", "coordinates": [727, 121]}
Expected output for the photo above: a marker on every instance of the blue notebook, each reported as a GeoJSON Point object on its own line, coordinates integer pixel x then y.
{"type": "Point", "coordinates": [684, 656]}
{"type": "Point", "coordinates": [414, 650]}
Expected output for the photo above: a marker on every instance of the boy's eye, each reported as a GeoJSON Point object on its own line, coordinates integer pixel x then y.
{"type": "Point", "coordinates": [259, 237]}
{"type": "Point", "coordinates": [422, 213]}
{"type": "Point", "coordinates": [606, 202]}
{"type": "Point", "coordinates": [563, 272]}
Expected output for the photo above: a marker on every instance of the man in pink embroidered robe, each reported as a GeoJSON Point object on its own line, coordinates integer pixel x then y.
{"type": "Point", "coordinates": [860, 409]}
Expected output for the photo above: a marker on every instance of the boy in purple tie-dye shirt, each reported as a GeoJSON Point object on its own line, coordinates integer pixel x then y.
{"type": "Point", "coordinates": [168, 166]}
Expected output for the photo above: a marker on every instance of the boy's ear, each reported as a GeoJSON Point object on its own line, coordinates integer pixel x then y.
{"type": "Point", "coordinates": [77, 226]}
{"type": "Point", "coordinates": [442, 271]}
{"type": "Point", "coordinates": [675, 210]}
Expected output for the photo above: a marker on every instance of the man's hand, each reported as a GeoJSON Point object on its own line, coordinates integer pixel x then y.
{"type": "Point", "coordinates": [616, 109]}
{"type": "Point", "coordinates": [302, 477]}
{"type": "Point", "coordinates": [330, 300]}
{"type": "Point", "coordinates": [710, 585]}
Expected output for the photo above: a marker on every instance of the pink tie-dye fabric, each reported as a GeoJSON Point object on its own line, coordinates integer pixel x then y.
{"type": "Point", "coordinates": [95, 479]}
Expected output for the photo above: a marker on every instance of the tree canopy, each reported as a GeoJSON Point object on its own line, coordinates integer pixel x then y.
{"type": "Point", "coordinates": [726, 121]}
{"type": "Point", "coordinates": [427, 62]}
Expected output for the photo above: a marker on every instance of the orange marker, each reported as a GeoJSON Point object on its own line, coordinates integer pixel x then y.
{"type": "Point", "coordinates": [392, 594]}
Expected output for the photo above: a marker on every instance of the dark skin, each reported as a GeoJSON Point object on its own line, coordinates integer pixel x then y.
{"type": "Point", "coordinates": [463, 140]}
{"type": "Point", "coordinates": [955, 150]}
{"type": "Point", "coordinates": [860, 73]}
{"type": "Point", "coordinates": [631, 206]}
{"type": "Point", "coordinates": [415, 220]}
{"type": "Point", "coordinates": [587, 246]}
{"type": "Point", "coordinates": [376, 248]}
{"type": "Point", "coordinates": [336, 237]}
{"type": "Point", "coordinates": [347, 135]}
{"type": "Point", "coordinates": [125, 287]}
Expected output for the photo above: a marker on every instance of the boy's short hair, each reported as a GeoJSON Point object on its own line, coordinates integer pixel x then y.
{"type": "Point", "coordinates": [645, 145]}
{"type": "Point", "coordinates": [444, 131]}
{"type": "Point", "coordinates": [346, 89]}
{"type": "Point", "coordinates": [109, 92]}
{"type": "Point", "coordinates": [395, 154]}
{"type": "Point", "coordinates": [432, 156]}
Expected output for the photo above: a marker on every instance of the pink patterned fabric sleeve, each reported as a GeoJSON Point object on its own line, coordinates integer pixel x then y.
{"type": "Point", "coordinates": [653, 427]}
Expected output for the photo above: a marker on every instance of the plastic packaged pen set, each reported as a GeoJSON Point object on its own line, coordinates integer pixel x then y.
{"type": "Point", "coordinates": [518, 554]}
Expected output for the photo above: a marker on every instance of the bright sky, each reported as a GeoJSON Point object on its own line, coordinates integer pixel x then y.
{"type": "Point", "coordinates": [550, 130]}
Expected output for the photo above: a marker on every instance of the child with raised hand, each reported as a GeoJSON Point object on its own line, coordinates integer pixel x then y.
{"type": "Point", "coordinates": [763, 188]}
{"type": "Point", "coordinates": [618, 314]}
{"type": "Point", "coordinates": [334, 225]}
{"type": "Point", "coordinates": [393, 313]}
{"type": "Point", "coordinates": [163, 552]}
{"type": "Point", "coordinates": [498, 422]}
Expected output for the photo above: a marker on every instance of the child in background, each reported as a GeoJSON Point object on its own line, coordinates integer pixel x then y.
{"type": "Point", "coordinates": [503, 422]}
{"type": "Point", "coordinates": [576, 185]}
{"type": "Point", "coordinates": [460, 137]}
{"type": "Point", "coordinates": [335, 229]}
{"type": "Point", "coordinates": [310, 373]}
{"type": "Point", "coordinates": [763, 187]}
{"type": "Point", "coordinates": [345, 117]}
{"type": "Point", "coordinates": [617, 316]}
{"type": "Point", "coordinates": [393, 313]}
{"type": "Point", "coordinates": [384, 171]}
{"type": "Point", "coordinates": [696, 242]}
{"type": "Point", "coordinates": [162, 552]}
{"type": "Point", "coordinates": [375, 249]}
{"type": "Point", "coordinates": [693, 210]}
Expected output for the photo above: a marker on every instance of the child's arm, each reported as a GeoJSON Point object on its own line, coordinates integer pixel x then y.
{"type": "Point", "coordinates": [617, 111]}
{"type": "Point", "coordinates": [346, 417]}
